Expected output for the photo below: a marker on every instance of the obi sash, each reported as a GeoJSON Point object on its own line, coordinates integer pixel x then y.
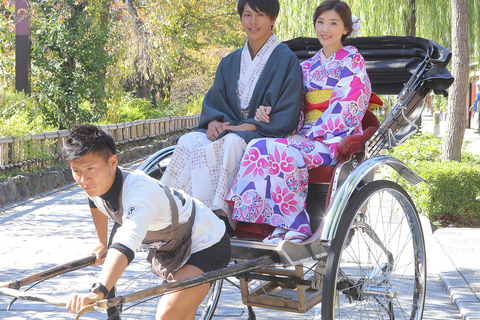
{"type": "Point", "coordinates": [317, 101]}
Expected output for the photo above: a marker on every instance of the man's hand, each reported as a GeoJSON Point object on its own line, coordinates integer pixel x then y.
{"type": "Point", "coordinates": [262, 114]}
{"type": "Point", "coordinates": [215, 128]}
{"type": "Point", "coordinates": [76, 301]}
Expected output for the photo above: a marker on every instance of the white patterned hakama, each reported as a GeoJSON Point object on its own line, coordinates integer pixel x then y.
{"type": "Point", "coordinates": [205, 169]}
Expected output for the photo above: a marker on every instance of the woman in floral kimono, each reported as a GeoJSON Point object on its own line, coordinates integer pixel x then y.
{"type": "Point", "coordinates": [271, 186]}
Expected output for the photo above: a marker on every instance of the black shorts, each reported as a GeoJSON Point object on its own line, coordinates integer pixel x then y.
{"type": "Point", "coordinates": [214, 257]}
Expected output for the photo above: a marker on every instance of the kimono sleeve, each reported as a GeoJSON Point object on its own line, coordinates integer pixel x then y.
{"type": "Point", "coordinates": [280, 86]}
{"type": "Point", "coordinates": [348, 103]}
{"type": "Point", "coordinates": [284, 95]}
{"type": "Point", "coordinates": [218, 103]}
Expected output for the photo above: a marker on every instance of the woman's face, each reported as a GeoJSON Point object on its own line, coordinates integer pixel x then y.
{"type": "Point", "coordinates": [330, 28]}
{"type": "Point", "coordinates": [257, 25]}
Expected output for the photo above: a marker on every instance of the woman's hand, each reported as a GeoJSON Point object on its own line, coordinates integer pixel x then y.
{"type": "Point", "coordinates": [76, 301]}
{"type": "Point", "coordinates": [262, 114]}
{"type": "Point", "coordinates": [215, 128]}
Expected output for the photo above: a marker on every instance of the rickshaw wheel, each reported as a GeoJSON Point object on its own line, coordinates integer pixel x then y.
{"type": "Point", "coordinates": [376, 267]}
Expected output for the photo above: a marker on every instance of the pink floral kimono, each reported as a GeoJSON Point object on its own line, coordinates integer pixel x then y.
{"type": "Point", "coordinates": [271, 186]}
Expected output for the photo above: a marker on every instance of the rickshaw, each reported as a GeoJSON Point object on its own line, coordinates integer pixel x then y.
{"type": "Point", "coordinates": [366, 258]}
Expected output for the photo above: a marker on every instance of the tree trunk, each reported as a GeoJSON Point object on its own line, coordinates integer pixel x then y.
{"type": "Point", "coordinates": [411, 20]}
{"type": "Point", "coordinates": [144, 80]}
{"type": "Point", "coordinates": [457, 100]}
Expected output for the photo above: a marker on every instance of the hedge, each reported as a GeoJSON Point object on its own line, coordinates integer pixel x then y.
{"type": "Point", "coordinates": [452, 195]}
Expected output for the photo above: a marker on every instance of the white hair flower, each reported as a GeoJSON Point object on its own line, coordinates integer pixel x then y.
{"type": "Point", "coordinates": [355, 26]}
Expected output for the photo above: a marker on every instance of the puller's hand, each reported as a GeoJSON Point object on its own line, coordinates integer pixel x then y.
{"type": "Point", "coordinates": [100, 253]}
{"type": "Point", "coordinates": [76, 301]}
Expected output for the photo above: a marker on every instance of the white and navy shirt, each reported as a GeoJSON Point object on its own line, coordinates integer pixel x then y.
{"type": "Point", "coordinates": [147, 208]}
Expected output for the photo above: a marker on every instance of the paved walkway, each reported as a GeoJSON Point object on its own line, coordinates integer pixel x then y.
{"type": "Point", "coordinates": [456, 255]}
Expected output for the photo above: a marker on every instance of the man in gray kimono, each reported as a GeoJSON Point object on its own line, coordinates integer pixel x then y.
{"type": "Point", "coordinates": [262, 73]}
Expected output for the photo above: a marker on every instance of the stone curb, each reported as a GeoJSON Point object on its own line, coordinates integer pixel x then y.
{"type": "Point", "coordinates": [457, 287]}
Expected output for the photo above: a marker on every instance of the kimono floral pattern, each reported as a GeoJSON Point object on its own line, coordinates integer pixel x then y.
{"type": "Point", "coordinates": [272, 184]}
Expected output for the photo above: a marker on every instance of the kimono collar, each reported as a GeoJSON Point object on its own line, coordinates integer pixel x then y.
{"type": "Point", "coordinates": [251, 70]}
{"type": "Point", "coordinates": [338, 55]}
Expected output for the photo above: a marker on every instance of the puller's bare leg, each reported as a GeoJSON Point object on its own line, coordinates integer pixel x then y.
{"type": "Point", "coordinates": [182, 305]}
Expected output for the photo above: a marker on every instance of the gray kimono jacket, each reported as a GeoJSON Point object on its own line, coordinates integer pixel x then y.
{"type": "Point", "coordinates": [280, 86]}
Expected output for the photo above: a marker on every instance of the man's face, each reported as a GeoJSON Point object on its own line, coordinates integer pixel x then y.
{"type": "Point", "coordinates": [257, 25]}
{"type": "Point", "coordinates": [94, 174]}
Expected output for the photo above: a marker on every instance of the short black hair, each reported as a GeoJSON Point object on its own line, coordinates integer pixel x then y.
{"type": "Point", "coordinates": [270, 7]}
{"type": "Point", "coordinates": [86, 138]}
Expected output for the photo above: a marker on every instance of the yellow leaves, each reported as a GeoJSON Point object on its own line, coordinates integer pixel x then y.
{"type": "Point", "coordinates": [8, 3]}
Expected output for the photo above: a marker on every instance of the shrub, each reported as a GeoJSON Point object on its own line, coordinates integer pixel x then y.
{"type": "Point", "coordinates": [129, 108]}
{"type": "Point", "coordinates": [452, 195]}
{"type": "Point", "coordinates": [194, 106]}
{"type": "Point", "coordinates": [20, 115]}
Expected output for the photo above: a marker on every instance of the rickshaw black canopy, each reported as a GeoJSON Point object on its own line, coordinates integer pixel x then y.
{"type": "Point", "coordinates": [392, 60]}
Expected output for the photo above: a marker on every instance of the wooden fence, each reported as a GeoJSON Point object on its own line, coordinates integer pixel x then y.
{"type": "Point", "coordinates": [42, 150]}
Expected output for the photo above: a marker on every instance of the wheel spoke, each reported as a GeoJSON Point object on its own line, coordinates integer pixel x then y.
{"type": "Point", "coordinates": [377, 272]}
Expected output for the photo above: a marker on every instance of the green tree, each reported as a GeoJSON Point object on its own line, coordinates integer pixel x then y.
{"type": "Point", "coordinates": [158, 41]}
{"type": "Point", "coordinates": [7, 46]}
{"type": "Point", "coordinates": [379, 17]}
{"type": "Point", "coordinates": [70, 59]}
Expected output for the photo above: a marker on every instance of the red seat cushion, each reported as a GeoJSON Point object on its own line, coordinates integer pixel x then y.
{"type": "Point", "coordinates": [321, 174]}
{"type": "Point", "coordinates": [348, 146]}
